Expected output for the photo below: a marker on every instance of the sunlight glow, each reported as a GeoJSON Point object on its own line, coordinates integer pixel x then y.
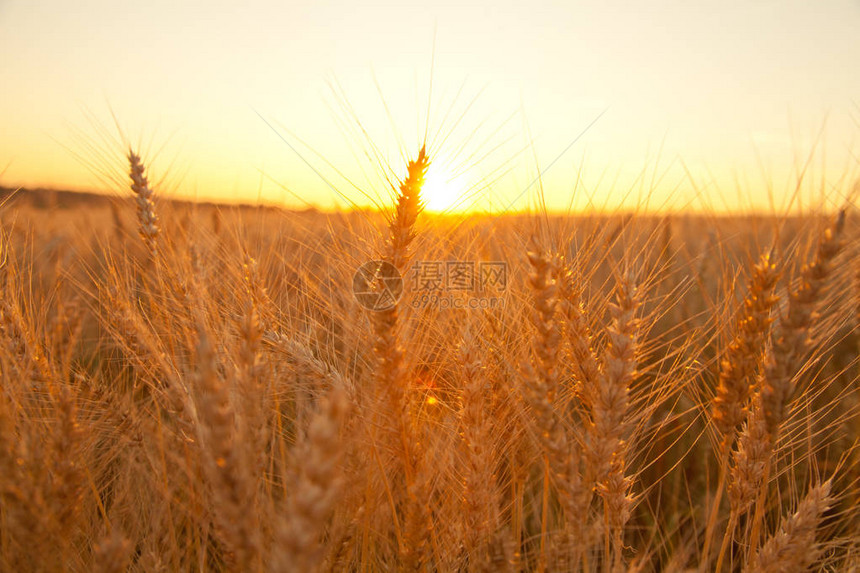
{"type": "Point", "coordinates": [673, 133]}
{"type": "Point", "coordinates": [441, 192]}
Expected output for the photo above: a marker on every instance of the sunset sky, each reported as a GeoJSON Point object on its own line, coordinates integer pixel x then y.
{"type": "Point", "coordinates": [712, 105]}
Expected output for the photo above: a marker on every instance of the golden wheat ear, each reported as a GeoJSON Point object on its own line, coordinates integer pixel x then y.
{"type": "Point", "coordinates": [793, 547]}
{"type": "Point", "coordinates": [794, 334]}
{"type": "Point", "coordinates": [738, 367]}
{"type": "Point", "coordinates": [401, 235]}
{"type": "Point", "coordinates": [790, 339]}
{"type": "Point", "coordinates": [480, 495]}
{"type": "Point", "coordinates": [147, 217]}
{"type": "Point", "coordinates": [741, 359]}
{"type": "Point", "coordinates": [409, 206]}
{"type": "Point", "coordinates": [316, 485]}
{"type": "Point", "coordinates": [226, 462]}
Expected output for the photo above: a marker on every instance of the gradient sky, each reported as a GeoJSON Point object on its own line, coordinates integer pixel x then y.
{"type": "Point", "coordinates": [712, 105]}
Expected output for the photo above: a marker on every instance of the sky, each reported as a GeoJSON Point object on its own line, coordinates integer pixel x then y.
{"type": "Point", "coordinates": [577, 105]}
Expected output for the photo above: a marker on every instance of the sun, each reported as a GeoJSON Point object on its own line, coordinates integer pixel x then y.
{"type": "Point", "coordinates": [441, 192]}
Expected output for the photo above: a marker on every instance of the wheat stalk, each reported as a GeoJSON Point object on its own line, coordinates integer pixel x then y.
{"type": "Point", "coordinates": [391, 383]}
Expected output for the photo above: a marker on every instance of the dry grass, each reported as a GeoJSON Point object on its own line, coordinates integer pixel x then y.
{"type": "Point", "coordinates": [206, 394]}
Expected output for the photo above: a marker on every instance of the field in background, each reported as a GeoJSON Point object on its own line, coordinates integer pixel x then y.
{"type": "Point", "coordinates": [187, 387]}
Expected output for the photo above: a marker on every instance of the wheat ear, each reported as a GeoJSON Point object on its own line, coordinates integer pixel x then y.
{"type": "Point", "coordinates": [480, 503]}
{"type": "Point", "coordinates": [540, 378]}
{"type": "Point", "coordinates": [741, 359]}
{"type": "Point", "coordinates": [790, 340]}
{"type": "Point", "coordinates": [795, 333]}
{"type": "Point", "coordinates": [542, 391]}
{"type": "Point", "coordinates": [315, 489]}
{"type": "Point", "coordinates": [112, 554]}
{"type": "Point", "coordinates": [586, 364]}
{"type": "Point", "coordinates": [610, 416]}
{"type": "Point", "coordinates": [387, 344]}
{"type": "Point", "coordinates": [147, 217]}
{"type": "Point", "coordinates": [233, 490]}
{"type": "Point", "coordinates": [776, 384]}
{"type": "Point", "coordinates": [793, 547]}
{"type": "Point", "coordinates": [737, 376]}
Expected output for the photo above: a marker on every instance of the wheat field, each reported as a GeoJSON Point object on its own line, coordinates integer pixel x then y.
{"type": "Point", "coordinates": [200, 388]}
